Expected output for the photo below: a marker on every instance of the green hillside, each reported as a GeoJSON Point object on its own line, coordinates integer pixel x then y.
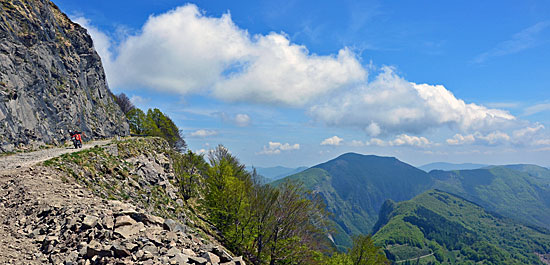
{"type": "Point", "coordinates": [521, 192]}
{"type": "Point", "coordinates": [355, 186]}
{"type": "Point", "coordinates": [439, 228]}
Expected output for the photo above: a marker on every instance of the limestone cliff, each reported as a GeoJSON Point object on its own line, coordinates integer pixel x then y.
{"type": "Point", "coordinates": [51, 78]}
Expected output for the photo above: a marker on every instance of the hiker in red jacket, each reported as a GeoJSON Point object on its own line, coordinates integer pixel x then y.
{"type": "Point", "coordinates": [76, 137]}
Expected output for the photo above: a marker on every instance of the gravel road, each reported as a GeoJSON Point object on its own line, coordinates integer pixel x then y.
{"type": "Point", "coordinates": [22, 160]}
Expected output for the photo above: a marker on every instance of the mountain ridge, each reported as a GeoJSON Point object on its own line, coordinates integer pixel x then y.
{"type": "Point", "coordinates": [354, 187]}
{"type": "Point", "coordinates": [450, 166]}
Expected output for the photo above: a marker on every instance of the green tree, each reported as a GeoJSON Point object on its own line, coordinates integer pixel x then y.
{"type": "Point", "coordinates": [226, 198]}
{"type": "Point", "coordinates": [364, 252]}
{"type": "Point", "coordinates": [268, 225]}
{"type": "Point", "coordinates": [166, 129]}
{"type": "Point", "coordinates": [296, 227]}
{"type": "Point", "coordinates": [189, 169]}
{"type": "Point", "coordinates": [136, 120]}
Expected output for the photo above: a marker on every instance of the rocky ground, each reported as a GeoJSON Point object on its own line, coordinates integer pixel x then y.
{"type": "Point", "coordinates": [46, 217]}
{"type": "Point", "coordinates": [545, 258]}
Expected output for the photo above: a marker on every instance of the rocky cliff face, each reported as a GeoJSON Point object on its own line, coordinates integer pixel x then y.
{"type": "Point", "coordinates": [51, 78]}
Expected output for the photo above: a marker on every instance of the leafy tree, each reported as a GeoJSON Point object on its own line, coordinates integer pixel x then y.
{"type": "Point", "coordinates": [364, 252]}
{"type": "Point", "coordinates": [226, 198]}
{"type": "Point", "coordinates": [189, 169]}
{"type": "Point", "coordinates": [136, 120]}
{"type": "Point", "coordinates": [167, 129]}
{"type": "Point", "coordinates": [268, 225]}
{"type": "Point", "coordinates": [155, 123]}
{"type": "Point", "coordinates": [124, 103]}
{"type": "Point", "coordinates": [298, 220]}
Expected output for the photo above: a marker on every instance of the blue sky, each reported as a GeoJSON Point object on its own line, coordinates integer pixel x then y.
{"type": "Point", "coordinates": [300, 82]}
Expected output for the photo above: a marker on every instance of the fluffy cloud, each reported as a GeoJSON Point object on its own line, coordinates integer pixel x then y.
{"type": "Point", "coordinates": [201, 151]}
{"type": "Point", "coordinates": [139, 101]}
{"type": "Point", "coordinates": [459, 139]}
{"type": "Point", "coordinates": [184, 51]}
{"type": "Point", "coordinates": [402, 140]}
{"type": "Point", "coordinates": [334, 140]}
{"type": "Point", "coordinates": [356, 143]}
{"type": "Point", "coordinates": [527, 132]}
{"type": "Point", "coordinates": [537, 109]}
{"type": "Point", "coordinates": [275, 148]}
{"type": "Point", "coordinates": [240, 119]}
{"type": "Point", "coordinates": [542, 142]}
{"type": "Point", "coordinates": [203, 133]}
{"type": "Point", "coordinates": [376, 142]}
{"type": "Point", "coordinates": [392, 105]}
{"type": "Point", "coordinates": [524, 136]}
{"type": "Point", "coordinates": [492, 138]}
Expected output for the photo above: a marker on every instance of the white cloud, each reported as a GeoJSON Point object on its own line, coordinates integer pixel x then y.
{"type": "Point", "coordinates": [373, 129]}
{"type": "Point", "coordinates": [404, 139]}
{"type": "Point", "coordinates": [536, 109]}
{"type": "Point", "coordinates": [203, 133]}
{"type": "Point", "coordinates": [523, 40]}
{"type": "Point", "coordinates": [275, 148]}
{"type": "Point", "coordinates": [401, 140]}
{"type": "Point", "coordinates": [460, 139]}
{"type": "Point", "coordinates": [376, 142]}
{"type": "Point", "coordinates": [525, 136]}
{"type": "Point", "coordinates": [185, 51]}
{"type": "Point", "coordinates": [527, 132]}
{"type": "Point", "coordinates": [542, 142]}
{"type": "Point", "coordinates": [139, 101]}
{"type": "Point", "coordinates": [392, 105]}
{"type": "Point", "coordinates": [334, 140]}
{"type": "Point", "coordinates": [356, 143]}
{"type": "Point", "coordinates": [240, 119]}
{"type": "Point", "coordinates": [503, 105]}
{"type": "Point", "coordinates": [493, 138]}
{"type": "Point", "coordinates": [201, 151]}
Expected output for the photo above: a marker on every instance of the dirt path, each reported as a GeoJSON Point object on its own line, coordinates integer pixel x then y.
{"type": "Point", "coordinates": [417, 258]}
{"type": "Point", "coordinates": [23, 160]}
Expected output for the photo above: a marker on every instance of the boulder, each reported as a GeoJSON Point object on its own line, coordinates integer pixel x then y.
{"type": "Point", "coordinates": [211, 257]}
{"type": "Point", "coordinates": [197, 260]}
{"type": "Point", "coordinates": [89, 222]}
{"type": "Point", "coordinates": [173, 226]}
{"type": "Point", "coordinates": [127, 231]}
{"type": "Point", "coordinates": [124, 220]}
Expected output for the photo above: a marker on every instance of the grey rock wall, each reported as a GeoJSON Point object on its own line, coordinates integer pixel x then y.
{"type": "Point", "coordinates": [51, 79]}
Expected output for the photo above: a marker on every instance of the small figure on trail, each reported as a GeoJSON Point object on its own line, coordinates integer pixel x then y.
{"type": "Point", "coordinates": [76, 137]}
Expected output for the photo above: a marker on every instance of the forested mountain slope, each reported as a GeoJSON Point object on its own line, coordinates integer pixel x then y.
{"type": "Point", "coordinates": [355, 186]}
{"type": "Point", "coordinates": [439, 228]}
{"type": "Point", "coordinates": [521, 192]}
